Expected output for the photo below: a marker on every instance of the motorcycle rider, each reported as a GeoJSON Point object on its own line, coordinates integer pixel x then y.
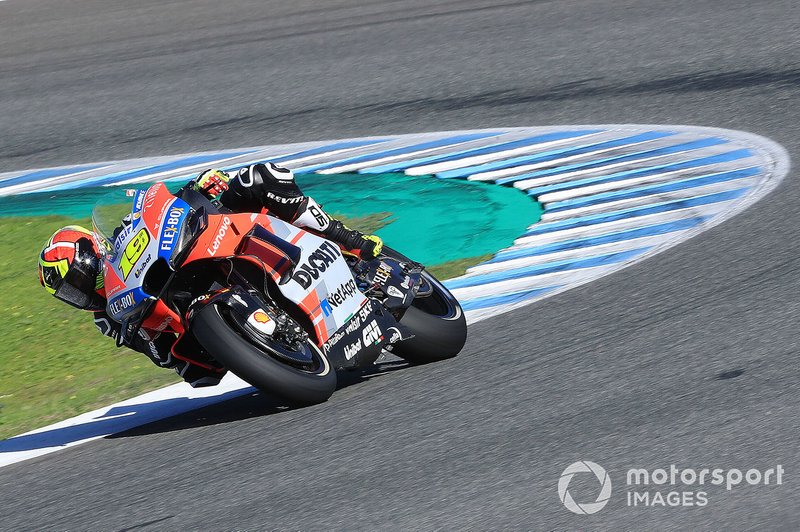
{"type": "Point", "coordinates": [70, 265]}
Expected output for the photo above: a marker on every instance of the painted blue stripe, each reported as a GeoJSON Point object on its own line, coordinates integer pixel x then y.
{"type": "Point", "coordinates": [681, 184]}
{"type": "Point", "coordinates": [608, 238]}
{"type": "Point", "coordinates": [641, 172]}
{"type": "Point", "coordinates": [472, 152]}
{"type": "Point", "coordinates": [437, 143]}
{"type": "Point", "coordinates": [109, 179]}
{"type": "Point", "coordinates": [539, 269]}
{"type": "Point", "coordinates": [47, 173]}
{"type": "Point", "coordinates": [505, 299]}
{"type": "Point", "coordinates": [114, 420]}
{"type": "Point", "coordinates": [552, 154]}
{"type": "Point", "coordinates": [328, 147]}
{"type": "Point", "coordinates": [597, 163]}
{"type": "Point", "coordinates": [655, 208]}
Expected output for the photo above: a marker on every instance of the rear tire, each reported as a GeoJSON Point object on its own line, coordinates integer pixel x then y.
{"type": "Point", "coordinates": [257, 367]}
{"type": "Point", "coordinates": [438, 324]}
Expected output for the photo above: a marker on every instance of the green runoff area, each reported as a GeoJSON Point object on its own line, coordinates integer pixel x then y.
{"type": "Point", "coordinates": [56, 365]}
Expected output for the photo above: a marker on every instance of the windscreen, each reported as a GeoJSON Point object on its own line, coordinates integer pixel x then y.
{"type": "Point", "coordinates": [108, 215]}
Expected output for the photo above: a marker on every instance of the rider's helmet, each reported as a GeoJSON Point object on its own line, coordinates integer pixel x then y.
{"type": "Point", "coordinates": [70, 268]}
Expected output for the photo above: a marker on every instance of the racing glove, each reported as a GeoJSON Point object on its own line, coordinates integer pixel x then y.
{"type": "Point", "coordinates": [212, 183]}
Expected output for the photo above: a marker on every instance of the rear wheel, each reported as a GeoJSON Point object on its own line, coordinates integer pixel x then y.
{"type": "Point", "coordinates": [438, 324]}
{"type": "Point", "coordinates": [264, 368]}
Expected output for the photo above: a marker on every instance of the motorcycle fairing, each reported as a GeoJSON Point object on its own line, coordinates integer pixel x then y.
{"type": "Point", "coordinates": [174, 218]}
{"type": "Point", "coordinates": [321, 282]}
{"type": "Point", "coordinates": [361, 340]}
{"type": "Point", "coordinates": [148, 236]}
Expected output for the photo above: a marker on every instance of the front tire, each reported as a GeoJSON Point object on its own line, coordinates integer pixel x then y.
{"type": "Point", "coordinates": [257, 367]}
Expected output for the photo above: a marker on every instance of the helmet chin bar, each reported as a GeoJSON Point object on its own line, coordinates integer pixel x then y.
{"type": "Point", "coordinates": [79, 299]}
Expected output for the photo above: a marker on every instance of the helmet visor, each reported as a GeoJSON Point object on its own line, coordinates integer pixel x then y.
{"type": "Point", "coordinates": [79, 284]}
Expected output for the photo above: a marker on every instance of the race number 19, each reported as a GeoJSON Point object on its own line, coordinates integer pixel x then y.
{"type": "Point", "coordinates": [133, 251]}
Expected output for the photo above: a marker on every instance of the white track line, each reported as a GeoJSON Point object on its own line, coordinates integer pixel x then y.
{"type": "Point", "coordinates": [475, 160]}
{"type": "Point", "coordinates": [582, 252]}
{"type": "Point", "coordinates": [653, 179]}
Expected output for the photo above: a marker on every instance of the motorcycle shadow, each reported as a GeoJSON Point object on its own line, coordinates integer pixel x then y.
{"type": "Point", "coordinates": [254, 404]}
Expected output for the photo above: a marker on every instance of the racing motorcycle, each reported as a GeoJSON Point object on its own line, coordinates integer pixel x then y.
{"type": "Point", "coordinates": [280, 307]}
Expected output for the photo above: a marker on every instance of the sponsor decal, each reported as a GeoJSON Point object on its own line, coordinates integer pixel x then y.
{"type": "Point", "coordinates": [122, 236]}
{"type": "Point", "coordinates": [164, 324]}
{"type": "Point", "coordinates": [353, 324]}
{"type": "Point", "coordinates": [318, 215]}
{"type": "Point", "coordinates": [143, 266]}
{"type": "Point", "coordinates": [139, 201]}
{"type": "Point", "coordinates": [161, 214]}
{"type": "Point", "coordinates": [339, 296]}
{"type": "Point", "coordinates": [223, 230]}
{"type": "Point", "coordinates": [261, 317]}
{"type": "Point", "coordinates": [372, 333]}
{"type": "Point", "coordinates": [333, 340]}
{"type": "Point", "coordinates": [365, 311]}
{"type": "Point", "coordinates": [396, 336]}
{"type": "Point", "coordinates": [199, 298]}
{"type": "Point", "coordinates": [154, 350]}
{"type": "Point", "coordinates": [406, 283]}
{"type": "Point", "coordinates": [383, 272]}
{"type": "Point", "coordinates": [353, 349]}
{"type": "Point", "coordinates": [326, 307]}
{"type": "Point", "coordinates": [317, 262]}
{"type": "Point", "coordinates": [120, 304]}
{"type": "Point", "coordinates": [284, 200]}
{"type": "Point", "coordinates": [169, 232]}
{"type": "Point", "coordinates": [261, 322]}
{"type": "Point", "coordinates": [150, 197]}
{"type": "Point", "coordinates": [133, 252]}
{"type": "Point", "coordinates": [395, 292]}
{"type": "Point", "coordinates": [110, 291]}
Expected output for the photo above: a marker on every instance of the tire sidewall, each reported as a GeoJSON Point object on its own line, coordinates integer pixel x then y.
{"type": "Point", "coordinates": [258, 368]}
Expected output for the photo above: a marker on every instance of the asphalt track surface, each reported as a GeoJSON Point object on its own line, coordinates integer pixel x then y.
{"type": "Point", "coordinates": [689, 358]}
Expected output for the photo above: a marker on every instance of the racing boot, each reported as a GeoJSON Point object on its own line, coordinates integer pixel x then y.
{"type": "Point", "coordinates": [364, 246]}
{"type": "Point", "coordinates": [196, 376]}
{"type": "Point", "coordinates": [311, 216]}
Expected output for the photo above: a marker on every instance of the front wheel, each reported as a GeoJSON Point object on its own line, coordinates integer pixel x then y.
{"type": "Point", "coordinates": [260, 368]}
{"type": "Point", "coordinates": [438, 324]}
